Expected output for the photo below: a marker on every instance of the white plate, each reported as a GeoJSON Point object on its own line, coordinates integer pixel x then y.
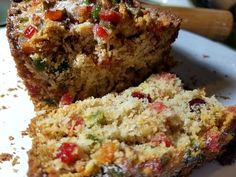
{"type": "Point", "coordinates": [212, 64]}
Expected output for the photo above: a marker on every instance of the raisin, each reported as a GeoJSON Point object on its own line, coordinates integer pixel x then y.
{"type": "Point", "coordinates": [141, 95]}
{"type": "Point", "coordinates": [195, 104]}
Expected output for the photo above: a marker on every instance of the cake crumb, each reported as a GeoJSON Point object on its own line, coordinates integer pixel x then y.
{"type": "Point", "coordinates": [11, 89]}
{"type": "Point", "coordinates": [223, 97]}
{"type": "Point", "coordinates": [15, 170]}
{"type": "Point", "coordinates": [5, 157]}
{"type": "Point", "coordinates": [24, 133]}
{"type": "Point", "coordinates": [205, 56]}
{"type": "Point", "coordinates": [3, 107]}
{"type": "Point", "coordinates": [15, 161]}
{"type": "Point", "coordinates": [23, 148]}
{"type": "Point", "coordinates": [11, 138]}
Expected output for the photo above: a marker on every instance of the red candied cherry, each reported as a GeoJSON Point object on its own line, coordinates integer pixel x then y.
{"type": "Point", "coordinates": [55, 15]}
{"type": "Point", "coordinates": [154, 165]}
{"type": "Point", "coordinates": [111, 16]}
{"type": "Point", "coordinates": [140, 95]}
{"type": "Point", "coordinates": [166, 76]}
{"type": "Point", "coordinates": [100, 32]}
{"type": "Point", "coordinates": [158, 106]}
{"type": "Point", "coordinates": [161, 138]}
{"type": "Point", "coordinates": [212, 141]}
{"type": "Point", "coordinates": [33, 89]}
{"type": "Point", "coordinates": [195, 104]}
{"type": "Point", "coordinates": [66, 99]}
{"type": "Point", "coordinates": [68, 153]}
{"type": "Point", "coordinates": [75, 121]}
{"type": "Point", "coordinates": [30, 31]}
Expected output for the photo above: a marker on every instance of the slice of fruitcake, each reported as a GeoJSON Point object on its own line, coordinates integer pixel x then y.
{"type": "Point", "coordinates": [155, 129]}
{"type": "Point", "coordinates": [67, 50]}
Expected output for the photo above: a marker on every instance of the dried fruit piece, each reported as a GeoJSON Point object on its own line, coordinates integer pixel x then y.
{"type": "Point", "coordinates": [66, 99]}
{"type": "Point", "coordinates": [141, 95]}
{"type": "Point", "coordinates": [67, 152]}
{"type": "Point", "coordinates": [30, 31]}
{"type": "Point", "coordinates": [111, 16]}
{"type": "Point", "coordinates": [75, 121]}
{"type": "Point", "coordinates": [158, 106]}
{"type": "Point", "coordinates": [196, 104]}
{"type": "Point", "coordinates": [56, 15]}
{"type": "Point", "coordinates": [100, 32]}
{"type": "Point", "coordinates": [151, 166]}
{"type": "Point", "coordinates": [95, 12]}
{"type": "Point", "coordinates": [161, 138]}
{"type": "Point", "coordinates": [106, 153]}
{"type": "Point", "coordinates": [213, 141]}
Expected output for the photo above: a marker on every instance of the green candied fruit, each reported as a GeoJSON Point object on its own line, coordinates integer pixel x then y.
{"type": "Point", "coordinates": [115, 1]}
{"type": "Point", "coordinates": [87, 2]}
{"type": "Point", "coordinates": [39, 65]}
{"type": "Point", "coordinates": [93, 137]}
{"type": "Point", "coordinates": [96, 117]}
{"type": "Point", "coordinates": [95, 12]}
{"type": "Point", "coordinates": [24, 19]}
{"type": "Point", "coordinates": [49, 102]}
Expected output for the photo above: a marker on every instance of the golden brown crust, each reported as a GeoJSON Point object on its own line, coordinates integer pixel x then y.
{"type": "Point", "coordinates": [44, 92]}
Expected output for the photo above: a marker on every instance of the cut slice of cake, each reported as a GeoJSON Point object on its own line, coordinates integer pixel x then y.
{"type": "Point", "coordinates": [155, 129]}
{"type": "Point", "coordinates": [67, 50]}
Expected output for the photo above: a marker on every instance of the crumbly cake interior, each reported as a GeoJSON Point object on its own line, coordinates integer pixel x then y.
{"type": "Point", "coordinates": [67, 50]}
{"type": "Point", "coordinates": [155, 129]}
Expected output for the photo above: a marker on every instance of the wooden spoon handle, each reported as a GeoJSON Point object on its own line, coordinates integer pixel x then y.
{"type": "Point", "coordinates": [214, 24]}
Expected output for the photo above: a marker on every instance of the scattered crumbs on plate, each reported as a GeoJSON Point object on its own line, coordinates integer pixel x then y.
{"type": "Point", "coordinates": [2, 95]}
{"type": "Point", "coordinates": [20, 87]}
{"type": "Point", "coordinates": [15, 170]}
{"type": "Point", "coordinates": [205, 56]}
{"type": "Point", "coordinates": [11, 89]}
{"type": "Point", "coordinates": [15, 161]}
{"type": "Point", "coordinates": [23, 148]}
{"type": "Point", "coordinates": [5, 157]}
{"type": "Point", "coordinates": [3, 107]}
{"type": "Point", "coordinates": [12, 144]}
{"type": "Point", "coordinates": [24, 133]}
{"type": "Point", "coordinates": [11, 138]}
{"type": "Point", "coordinates": [223, 97]}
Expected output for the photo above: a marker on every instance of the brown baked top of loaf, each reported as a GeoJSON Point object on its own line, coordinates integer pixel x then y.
{"type": "Point", "coordinates": [71, 49]}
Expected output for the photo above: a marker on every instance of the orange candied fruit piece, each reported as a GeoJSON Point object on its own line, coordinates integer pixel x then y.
{"type": "Point", "coordinates": [55, 15]}
{"type": "Point", "coordinates": [36, 2]}
{"type": "Point", "coordinates": [106, 153]}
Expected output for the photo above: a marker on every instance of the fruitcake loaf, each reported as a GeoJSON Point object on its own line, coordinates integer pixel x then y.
{"type": "Point", "coordinates": [67, 50]}
{"type": "Point", "coordinates": [154, 129]}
